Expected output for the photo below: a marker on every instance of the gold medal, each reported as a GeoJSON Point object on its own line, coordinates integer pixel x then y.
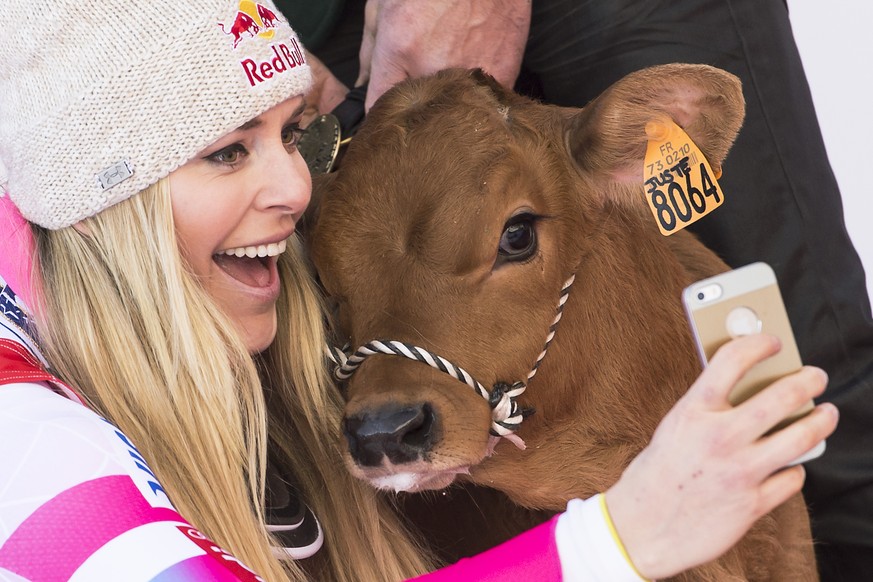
{"type": "Point", "coordinates": [320, 144]}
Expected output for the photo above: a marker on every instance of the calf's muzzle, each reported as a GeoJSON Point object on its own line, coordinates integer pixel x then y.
{"type": "Point", "coordinates": [400, 433]}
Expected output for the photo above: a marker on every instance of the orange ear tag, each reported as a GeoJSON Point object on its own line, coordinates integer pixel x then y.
{"type": "Point", "coordinates": [679, 183]}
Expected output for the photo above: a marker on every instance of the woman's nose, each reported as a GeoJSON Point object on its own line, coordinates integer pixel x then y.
{"type": "Point", "coordinates": [287, 183]}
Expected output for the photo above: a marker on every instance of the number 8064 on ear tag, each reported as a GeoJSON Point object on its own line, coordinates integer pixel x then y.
{"type": "Point", "coordinates": [679, 183]}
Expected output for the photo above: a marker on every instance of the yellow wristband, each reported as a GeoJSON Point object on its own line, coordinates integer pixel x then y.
{"type": "Point", "coordinates": [615, 536]}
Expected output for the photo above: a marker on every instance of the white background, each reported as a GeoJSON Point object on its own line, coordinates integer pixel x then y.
{"type": "Point", "coordinates": [835, 39]}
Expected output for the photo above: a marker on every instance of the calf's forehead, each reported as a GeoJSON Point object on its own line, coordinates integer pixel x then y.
{"type": "Point", "coordinates": [438, 194]}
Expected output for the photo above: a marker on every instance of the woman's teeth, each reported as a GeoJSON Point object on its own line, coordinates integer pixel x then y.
{"type": "Point", "coordinates": [270, 250]}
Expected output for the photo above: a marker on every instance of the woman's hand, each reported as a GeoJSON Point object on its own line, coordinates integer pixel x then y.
{"type": "Point", "coordinates": [708, 474]}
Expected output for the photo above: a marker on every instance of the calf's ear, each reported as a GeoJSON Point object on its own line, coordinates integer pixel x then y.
{"type": "Point", "coordinates": [607, 138]}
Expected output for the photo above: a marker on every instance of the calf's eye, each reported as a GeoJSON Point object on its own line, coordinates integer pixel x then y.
{"type": "Point", "coordinates": [519, 239]}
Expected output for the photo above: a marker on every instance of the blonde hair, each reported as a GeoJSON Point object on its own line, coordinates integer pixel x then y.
{"type": "Point", "coordinates": [122, 319]}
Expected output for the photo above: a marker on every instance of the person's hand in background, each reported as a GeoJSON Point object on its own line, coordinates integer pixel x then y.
{"type": "Point", "coordinates": [327, 91]}
{"type": "Point", "coordinates": [414, 38]}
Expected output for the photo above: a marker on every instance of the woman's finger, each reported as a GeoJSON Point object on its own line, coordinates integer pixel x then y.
{"type": "Point", "coordinates": [781, 399]}
{"type": "Point", "coordinates": [729, 364]}
{"type": "Point", "coordinates": [778, 488]}
{"type": "Point", "coordinates": [784, 446]}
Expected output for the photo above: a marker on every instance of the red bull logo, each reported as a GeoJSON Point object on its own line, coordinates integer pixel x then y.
{"type": "Point", "coordinates": [251, 20]}
{"type": "Point", "coordinates": [256, 20]}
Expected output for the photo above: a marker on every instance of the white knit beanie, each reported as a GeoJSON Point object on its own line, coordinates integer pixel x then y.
{"type": "Point", "coordinates": [101, 98]}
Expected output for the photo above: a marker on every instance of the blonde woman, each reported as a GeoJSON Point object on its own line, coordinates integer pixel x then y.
{"type": "Point", "coordinates": [164, 408]}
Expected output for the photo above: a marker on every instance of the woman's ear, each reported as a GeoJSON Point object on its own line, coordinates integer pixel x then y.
{"type": "Point", "coordinates": [607, 138]}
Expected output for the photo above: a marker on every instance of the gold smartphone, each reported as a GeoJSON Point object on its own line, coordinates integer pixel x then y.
{"type": "Point", "coordinates": [741, 302]}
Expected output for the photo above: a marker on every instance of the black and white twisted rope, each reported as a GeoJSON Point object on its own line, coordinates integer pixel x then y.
{"type": "Point", "coordinates": [565, 292]}
{"type": "Point", "coordinates": [506, 415]}
{"type": "Point", "coordinates": [505, 412]}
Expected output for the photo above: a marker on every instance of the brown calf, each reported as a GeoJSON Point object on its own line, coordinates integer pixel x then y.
{"type": "Point", "coordinates": [459, 212]}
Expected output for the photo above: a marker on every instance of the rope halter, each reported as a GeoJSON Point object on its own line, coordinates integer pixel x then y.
{"type": "Point", "coordinates": [506, 414]}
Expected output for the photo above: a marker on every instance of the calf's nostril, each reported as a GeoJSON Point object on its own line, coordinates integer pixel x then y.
{"type": "Point", "coordinates": [418, 431]}
{"type": "Point", "coordinates": [400, 433]}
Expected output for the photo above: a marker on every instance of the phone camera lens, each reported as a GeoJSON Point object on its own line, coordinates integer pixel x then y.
{"type": "Point", "coordinates": [708, 293]}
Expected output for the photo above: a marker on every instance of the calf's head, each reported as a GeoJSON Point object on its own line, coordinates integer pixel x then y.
{"type": "Point", "coordinates": [460, 211]}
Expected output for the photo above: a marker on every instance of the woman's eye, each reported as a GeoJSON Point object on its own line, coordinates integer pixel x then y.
{"type": "Point", "coordinates": [519, 239]}
{"type": "Point", "coordinates": [230, 155]}
{"type": "Point", "coordinates": [291, 135]}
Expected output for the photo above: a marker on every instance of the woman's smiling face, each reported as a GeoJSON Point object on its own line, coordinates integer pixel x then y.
{"type": "Point", "coordinates": [234, 205]}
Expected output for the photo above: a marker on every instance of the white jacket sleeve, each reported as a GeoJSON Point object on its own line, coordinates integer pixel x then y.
{"type": "Point", "coordinates": [589, 547]}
